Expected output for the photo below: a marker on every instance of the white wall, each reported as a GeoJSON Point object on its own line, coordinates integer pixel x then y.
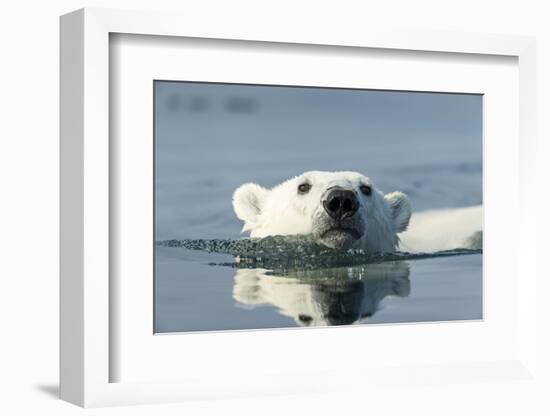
{"type": "Point", "coordinates": [29, 209]}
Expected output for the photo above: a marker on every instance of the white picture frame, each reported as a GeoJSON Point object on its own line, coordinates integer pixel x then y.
{"type": "Point", "coordinates": [87, 302]}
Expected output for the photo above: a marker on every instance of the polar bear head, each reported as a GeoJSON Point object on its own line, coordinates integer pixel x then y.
{"type": "Point", "coordinates": [339, 209]}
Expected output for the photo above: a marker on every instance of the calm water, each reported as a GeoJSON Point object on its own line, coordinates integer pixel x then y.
{"type": "Point", "coordinates": [209, 139]}
{"type": "Point", "coordinates": [192, 294]}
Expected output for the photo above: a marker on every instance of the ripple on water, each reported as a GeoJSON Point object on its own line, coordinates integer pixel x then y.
{"type": "Point", "coordinates": [291, 253]}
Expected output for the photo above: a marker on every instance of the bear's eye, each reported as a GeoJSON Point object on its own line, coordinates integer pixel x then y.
{"type": "Point", "coordinates": [366, 189]}
{"type": "Point", "coordinates": [304, 188]}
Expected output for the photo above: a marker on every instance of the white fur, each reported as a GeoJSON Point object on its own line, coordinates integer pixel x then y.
{"type": "Point", "coordinates": [442, 229]}
{"type": "Point", "coordinates": [282, 211]}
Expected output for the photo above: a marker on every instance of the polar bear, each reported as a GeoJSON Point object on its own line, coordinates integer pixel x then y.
{"type": "Point", "coordinates": [344, 210]}
{"type": "Point", "coordinates": [341, 210]}
{"type": "Point", "coordinates": [444, 229]}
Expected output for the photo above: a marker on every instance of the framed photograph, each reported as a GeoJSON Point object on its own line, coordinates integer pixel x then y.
{"type": "Point", "coordinates": [327, 247]}
{"type": "Point", "coordinates": [242, 208]}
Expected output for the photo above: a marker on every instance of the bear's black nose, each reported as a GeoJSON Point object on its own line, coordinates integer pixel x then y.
{"type": "Point", "coordinates": [340, 203]}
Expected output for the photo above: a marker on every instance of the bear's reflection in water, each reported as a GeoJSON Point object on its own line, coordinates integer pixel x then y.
{"type": "Point", "coordinates": [337, 296]}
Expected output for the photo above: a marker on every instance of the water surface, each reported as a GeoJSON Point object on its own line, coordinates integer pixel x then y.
{"type": "Point", "coordinates": [199, 290]}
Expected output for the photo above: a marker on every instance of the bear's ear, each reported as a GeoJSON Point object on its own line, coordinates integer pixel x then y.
{"type": "Point", "coordinates": [400, 210]}
{"type": "Point", "coordinates": [248, 202]}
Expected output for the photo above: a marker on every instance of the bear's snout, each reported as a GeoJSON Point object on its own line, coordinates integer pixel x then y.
{"type": "Point", "coordinates": [340, 203]}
